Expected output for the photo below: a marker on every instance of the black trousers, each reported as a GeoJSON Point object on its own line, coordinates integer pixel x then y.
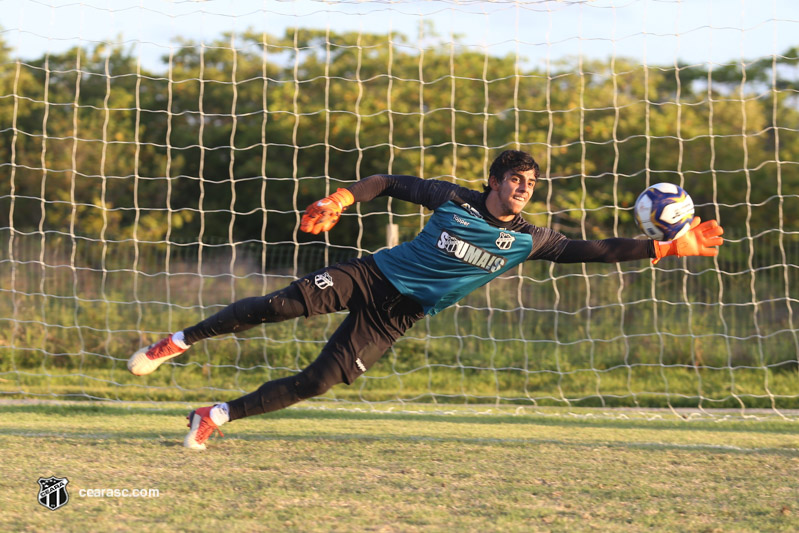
{"type": "Point", "coordinates": [378, 316]}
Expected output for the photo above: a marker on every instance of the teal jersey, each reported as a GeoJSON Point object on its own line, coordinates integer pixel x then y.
{"type": "Point", "coordinates": [463, 247]}
{"type": "Point", "coordinates": [456, 252]}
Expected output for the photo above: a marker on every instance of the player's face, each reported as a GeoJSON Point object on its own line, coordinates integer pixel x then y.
{"type": "Point", "coordinates": [511, 194]}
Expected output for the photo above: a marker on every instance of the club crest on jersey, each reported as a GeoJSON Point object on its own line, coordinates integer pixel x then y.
{"type": "Point", "coordinates": [469, 253]}
{"type": "Point", "coordinates": [323, 280]}
{"type": "Point", "coordinates": [505, 241]}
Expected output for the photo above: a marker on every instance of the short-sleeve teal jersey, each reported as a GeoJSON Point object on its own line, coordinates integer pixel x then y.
{"type": "Point", "coordinates": [456, 252]}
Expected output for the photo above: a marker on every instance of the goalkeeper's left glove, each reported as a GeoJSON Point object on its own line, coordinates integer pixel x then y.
{"type": "Point", "coordinates": [324, 214]}
{"type": "Point", "coordinates": [699, 240]}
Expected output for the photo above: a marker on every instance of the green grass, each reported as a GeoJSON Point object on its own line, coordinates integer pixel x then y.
{"type": "Point", "coordinates": [634, 386]}
{"type": "Point", "coordinates": [329, 470]}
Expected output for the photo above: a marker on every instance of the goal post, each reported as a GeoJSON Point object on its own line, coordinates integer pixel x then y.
{"type": "Point", "coordinates": [151, 177]}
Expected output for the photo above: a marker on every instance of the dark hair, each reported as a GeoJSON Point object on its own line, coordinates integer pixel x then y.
{"type": "Point", "coordinates": [512, 160]}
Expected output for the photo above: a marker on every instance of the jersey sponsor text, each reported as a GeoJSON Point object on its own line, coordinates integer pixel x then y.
{"type": "Point", "coordinates": [469, 253]}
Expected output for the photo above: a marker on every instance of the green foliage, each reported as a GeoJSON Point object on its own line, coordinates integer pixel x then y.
{"type": "Point", "coordinates": [115, 171]}
{"type": "Point", "coordinates": [179, 154]}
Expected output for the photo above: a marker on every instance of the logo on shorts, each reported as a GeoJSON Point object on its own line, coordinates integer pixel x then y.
{"type": "Point", "coordinates": [505, 240]}
{"type": "Point", "coordinates": [323, 280]}
{"type": "Point", "coordinates": [360, 364]}
{"type": "Point", "coordinates": [53, 492]}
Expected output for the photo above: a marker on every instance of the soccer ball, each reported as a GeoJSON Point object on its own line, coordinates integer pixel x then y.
{"type": "Point", "coordinates": [664, 211]}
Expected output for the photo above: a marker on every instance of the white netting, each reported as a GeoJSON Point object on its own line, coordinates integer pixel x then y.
{"type": "Point", "coordinates": [156, 158]}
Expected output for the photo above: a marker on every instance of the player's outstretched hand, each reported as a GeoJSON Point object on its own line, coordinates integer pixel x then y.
{"type": "Point", "coordinates": [324, 214]}
{"type": "Point", "coordinates": [702, 239]}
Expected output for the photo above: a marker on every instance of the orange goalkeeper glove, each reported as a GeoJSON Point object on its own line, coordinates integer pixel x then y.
{"type": "Point", "coordinates": [324, 214]}
{"type": "Point", "coordinates": [699, 240]}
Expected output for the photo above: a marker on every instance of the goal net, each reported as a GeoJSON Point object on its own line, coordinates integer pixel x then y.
{"type": "Point", "coordinates": [156, 158]}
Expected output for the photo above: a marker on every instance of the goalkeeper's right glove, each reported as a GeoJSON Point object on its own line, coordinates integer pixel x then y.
{"type": "Point", "coordinates": [699, 240]}
{"type": "Point", "coordinates": [324, 214]}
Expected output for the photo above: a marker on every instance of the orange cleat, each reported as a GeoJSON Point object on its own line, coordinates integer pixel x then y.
{"type": "Point", "coordinates": [146, 360]}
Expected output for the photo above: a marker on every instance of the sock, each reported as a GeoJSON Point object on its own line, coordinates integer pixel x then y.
{"type": "Point", "coordinates": [179, 340]}
{"type": "Point", "coordinates": [219, 414]}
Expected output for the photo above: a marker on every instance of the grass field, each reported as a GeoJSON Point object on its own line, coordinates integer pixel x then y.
{"type": "Point", "coordinates": [316, 469]}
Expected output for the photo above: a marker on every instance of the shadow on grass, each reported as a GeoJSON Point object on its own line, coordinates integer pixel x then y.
{"type": "Point", "coordinates": [174, 439]}
{"type": "Point", "coordinates": [562, 420]}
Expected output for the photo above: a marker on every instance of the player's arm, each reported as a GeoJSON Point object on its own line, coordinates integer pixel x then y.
{"type": "Point", "coordinates": [323, 214]}
{"type": "Point", "coordinates": [613, 250]}
{"type": "Point", "coordinates": [551, 245]}
{"type": "Point", "coordinates": [701, 240]}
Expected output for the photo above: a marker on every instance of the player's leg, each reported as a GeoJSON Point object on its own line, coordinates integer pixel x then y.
{"type": "Point", "coordinates": [361, 339]}
{"type": "Point", "coordinates": [239, 316]}
{"type": "Point", "coordinates": [277, 394]}
{"type": "Point", "coordinates": [325, 291]}
{"type": "Point", "coordinates": [315, 380]}
{"type": "Point", "coordinates": [379, 315]}
{"type": "Point", "coordinates": [247, 313]}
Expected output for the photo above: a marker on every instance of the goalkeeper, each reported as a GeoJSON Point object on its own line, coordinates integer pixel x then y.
{"type": "Point", "coordinates": [471, 238]}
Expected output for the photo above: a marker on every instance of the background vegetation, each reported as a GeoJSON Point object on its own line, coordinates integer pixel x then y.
{"type": "Point", "coordinates": [134, 202]}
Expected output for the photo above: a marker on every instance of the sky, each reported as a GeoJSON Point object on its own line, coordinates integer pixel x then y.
{"type": "Point", "coordinates": [656, 32]}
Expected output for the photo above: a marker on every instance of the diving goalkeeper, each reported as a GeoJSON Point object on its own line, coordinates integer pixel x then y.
{"type": "Point", "coordinates": [471, 238]}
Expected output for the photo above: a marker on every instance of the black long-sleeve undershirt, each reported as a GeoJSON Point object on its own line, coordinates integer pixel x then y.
{"type": "Point", "coordinates": [613, 250]}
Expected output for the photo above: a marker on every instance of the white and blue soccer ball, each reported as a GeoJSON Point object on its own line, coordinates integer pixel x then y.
{"type": "Point", "coordinates": [664, 211]}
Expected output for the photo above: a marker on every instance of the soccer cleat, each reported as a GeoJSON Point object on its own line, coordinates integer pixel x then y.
{"type": "Point", "coordinates": [201, 427]}
{"type": "Point", "coordinates": [147, 359]}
